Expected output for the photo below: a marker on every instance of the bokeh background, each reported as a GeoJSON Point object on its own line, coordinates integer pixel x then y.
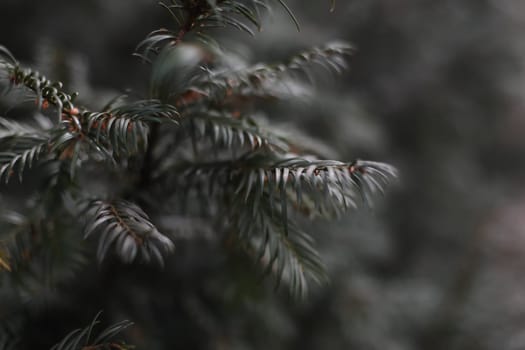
{"type": "Point", "coordinates": [436, 88]}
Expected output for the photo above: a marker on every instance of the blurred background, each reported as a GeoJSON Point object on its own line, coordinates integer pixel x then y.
{"type": "Point", "coordinates": [436, 88]}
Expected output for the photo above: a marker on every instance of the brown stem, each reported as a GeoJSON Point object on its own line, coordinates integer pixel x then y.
{"type": "Point", "coordinates": [135, 236]}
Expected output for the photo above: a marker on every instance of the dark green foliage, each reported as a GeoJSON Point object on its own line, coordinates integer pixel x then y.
{"type": "Point", "coordinates": [198, 16]}
{"type": "Point", "coordinates": [196, 144]}
{"type": "Point", "coordinates": [268, 179]}
{"type": "Point", "coordinates": [89, 338]}
{"type": "Point", "coordinates": [268, 80]}
{"type": "Point", "coordinates": [262, 188]}
{"type": "Point", "coordinates": [129, 229]}
{"type": "Point", "coordinates": [124, 129]}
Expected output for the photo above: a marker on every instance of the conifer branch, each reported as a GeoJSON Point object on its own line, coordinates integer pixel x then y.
{"type": "Point", "coordinates": [227, 86]}
{"type": "Point", "coordinates": [322, 187]}
{"type": "Point", "coordinates": [263, 190]}
{"type": "Point", "coordinates": [14, 162]}
{"type": "Point", "coordinates": [120, 130]}
{"type": "Point", "coordinates": [286, 253]}
{"type": "Point", "coordinates": [232, 131]}
{"type": "Point", "coordinates": [86, 339]}
{"type": "Point", "coordinates": [21, 146]}
{"type": "Point", "coordinates": [209, 101]}
{"type": "Point", "coordinates": [200, 15]}
{"type": "Point", "coordinates": [128, 228]}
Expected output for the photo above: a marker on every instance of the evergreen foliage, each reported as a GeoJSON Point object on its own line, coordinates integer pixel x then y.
{"type": "Point", "coordinates": [195, 146]}
{"type": "Point", "coordinates": [85, 338]}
